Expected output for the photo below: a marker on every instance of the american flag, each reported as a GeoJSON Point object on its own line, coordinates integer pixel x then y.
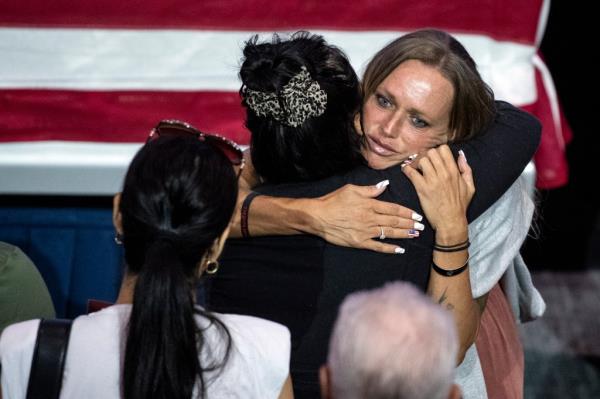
{"type": "Point", "coordinates": [82, 82]}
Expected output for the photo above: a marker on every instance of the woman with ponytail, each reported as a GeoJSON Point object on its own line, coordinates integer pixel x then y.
{"type": "Point", "coordinates": [172, 218]}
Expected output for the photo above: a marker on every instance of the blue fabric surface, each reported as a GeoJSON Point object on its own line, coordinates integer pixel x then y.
{"type": "Point", "coordinates": [74, 250]}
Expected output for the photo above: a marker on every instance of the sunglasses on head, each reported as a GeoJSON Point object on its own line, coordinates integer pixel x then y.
{"type": "Point", "coordinates": [175, 128]}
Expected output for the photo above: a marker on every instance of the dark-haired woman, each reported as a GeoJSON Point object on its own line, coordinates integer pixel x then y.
{"type": "Point", "coordinates": [172, 219]}
{"type": "Point", "coordinates": [419, 107]}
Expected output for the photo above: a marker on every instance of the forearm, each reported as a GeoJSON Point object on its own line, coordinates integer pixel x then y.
{"type": "Point", "coordinates": [273, 215]}
{"type": "Point", "coordinates": [499, 156]}
{"type": "Point", "coordinates": [270, 215]}
{"type": "Point", "coordinates": [348, 216]}
{"type": "Point", "coordinates": [454, 293]}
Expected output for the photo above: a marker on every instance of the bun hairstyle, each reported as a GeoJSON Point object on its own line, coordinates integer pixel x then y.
{"type": "Point", "coordinates": [325, 143]}
{"type": "Point", "coordinates": [178, 198]}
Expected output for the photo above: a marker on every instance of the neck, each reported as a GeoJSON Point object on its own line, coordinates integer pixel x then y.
{"type": "Point", "coordinates": [127, 288]}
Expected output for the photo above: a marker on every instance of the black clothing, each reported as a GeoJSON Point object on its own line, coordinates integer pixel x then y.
{"type": "Point", "coordinates": [300, 281]}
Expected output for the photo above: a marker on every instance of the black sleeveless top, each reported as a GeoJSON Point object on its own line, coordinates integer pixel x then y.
{"type": "Point", "coordinates": [300, 281]}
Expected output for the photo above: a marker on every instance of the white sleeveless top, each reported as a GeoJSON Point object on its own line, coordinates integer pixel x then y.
{"type": "Point", "coordinates": [257, 367]}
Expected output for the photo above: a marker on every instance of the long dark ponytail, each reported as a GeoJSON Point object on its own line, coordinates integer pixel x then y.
{"type": "Point", "coordinates": [178, 198]}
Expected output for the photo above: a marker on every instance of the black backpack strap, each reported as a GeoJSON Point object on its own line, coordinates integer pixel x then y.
{"type": "Point", "coordinates": [45, 378]}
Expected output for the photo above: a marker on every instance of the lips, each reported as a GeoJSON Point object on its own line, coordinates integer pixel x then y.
{"type": "Point", "coordinates": [379, 148]}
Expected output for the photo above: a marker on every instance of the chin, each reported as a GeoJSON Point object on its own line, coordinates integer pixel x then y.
{"type": "Point", "coordinates": [378, 163]}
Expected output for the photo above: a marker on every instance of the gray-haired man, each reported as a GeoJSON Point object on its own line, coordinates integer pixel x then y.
{"type": "Point", "coordinates": [391, 342]}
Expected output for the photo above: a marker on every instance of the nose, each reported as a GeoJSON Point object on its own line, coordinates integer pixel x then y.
{"type": "Point", "coordinates": [391, 126]}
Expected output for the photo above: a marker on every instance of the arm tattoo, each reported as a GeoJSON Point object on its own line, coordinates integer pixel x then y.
{"type": "Point", "coordinates": [443, 299]}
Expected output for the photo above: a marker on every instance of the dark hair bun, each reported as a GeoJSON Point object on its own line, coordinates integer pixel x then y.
{"type": "Point", "coordinates": [258, 70]}
{"type": "Point", "coordinates": [282, 153]}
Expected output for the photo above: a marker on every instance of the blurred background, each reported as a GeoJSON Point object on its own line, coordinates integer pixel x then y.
{"type": "Point", "coordinates": [82, 83]}
{"type": "Point", "coordinates": [563, 347]}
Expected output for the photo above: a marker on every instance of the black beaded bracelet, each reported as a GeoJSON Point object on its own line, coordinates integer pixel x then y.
{"type": "Point", "coordinates": [460, 244]}
{"type": "Point", "coordinates": [244, 214]}
{"type": "Point", "coordinates": [452, 248]}
{"type": "Point", "coordinates": [449, 273]}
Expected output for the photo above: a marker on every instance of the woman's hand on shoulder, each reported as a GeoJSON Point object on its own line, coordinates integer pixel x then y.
{"type": "Point", "coordinates": [445, 188]}
{"type": "Point", "coordinates": [352, 217]}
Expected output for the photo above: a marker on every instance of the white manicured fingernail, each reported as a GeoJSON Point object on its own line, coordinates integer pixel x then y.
{"type": "Point", "coordinates": [382, 184]}
{"type": "Point", "coordinates": [461, 152]}
{"type": "Point", "coordinates": [399, 250]}
{"type": "Point", "coordinates": [413, 157]}
{"type": "Point", "coordinates": [419, 226]}
{"type": "Point", "coordinates": [416, 216]}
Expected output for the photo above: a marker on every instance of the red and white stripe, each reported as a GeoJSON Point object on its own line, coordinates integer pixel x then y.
{"type": "Point", "coordinates": [77, 73]}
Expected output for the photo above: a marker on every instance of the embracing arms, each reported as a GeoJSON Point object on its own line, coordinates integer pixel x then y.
{"type": "Point", "coordinates": [499, 155]}
{"type": "Point", "coordinates": [349, 216]}
{"type": "Point", "coordinates": [445, 190]}
{"type": "Point", "coordinates": [497, 158]}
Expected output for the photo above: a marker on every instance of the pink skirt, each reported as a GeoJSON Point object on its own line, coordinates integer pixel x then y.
{"type": "Point", "coordinates": [500, 350]}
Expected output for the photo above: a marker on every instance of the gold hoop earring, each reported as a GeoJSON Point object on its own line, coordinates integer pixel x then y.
{"type": "Point", "coordinates": [212, 266]}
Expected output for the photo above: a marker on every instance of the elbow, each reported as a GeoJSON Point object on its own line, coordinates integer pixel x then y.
{"type": "Point", "coordinates": [468, 335]}
{"type": "Point", "coordinates": [536, 129]}
{"type": "Point", "coordinates": [533, 126]}
{"type": "Point", "coordinates": [463, 347]}
{"type": "Point", "coordinates": [523, 123]}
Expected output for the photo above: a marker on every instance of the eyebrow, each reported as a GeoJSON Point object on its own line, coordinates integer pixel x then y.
{"type": "Point", "coordinates": [420, 114]}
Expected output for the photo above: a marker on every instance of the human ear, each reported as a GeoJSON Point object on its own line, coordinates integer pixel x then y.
{"type": "Point", "coordinates": [214, 251]}
{"type": "Point", "coordinates": [217, 247]}
{"type": "Point", "coordinates": [357, 124]}
{"type": "Point", "coordinates": [451, 136]}
{"type": "Point", "coordinates": [116, 214]}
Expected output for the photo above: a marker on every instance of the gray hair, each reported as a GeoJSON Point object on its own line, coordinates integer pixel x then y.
{"type": "Point", "coordinates": [392, 342]}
